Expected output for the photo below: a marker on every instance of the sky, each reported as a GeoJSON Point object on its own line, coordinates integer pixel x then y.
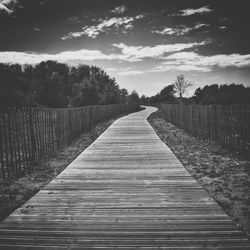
{"type": "Point", "coordinates": [144, 44]}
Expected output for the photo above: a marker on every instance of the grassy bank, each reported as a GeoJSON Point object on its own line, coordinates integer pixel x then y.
{"type": "Point", "coordinates": [226, 177]}
{"type": "Point", "coordinates": [15, 192]}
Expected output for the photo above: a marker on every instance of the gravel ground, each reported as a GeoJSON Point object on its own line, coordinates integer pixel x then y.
{"type": "Point", "coordinates": [15, 192]}
{"type": "Point", "coordinates": [226, 177]}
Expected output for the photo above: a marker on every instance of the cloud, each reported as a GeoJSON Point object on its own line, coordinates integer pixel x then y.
{"type": "Point", "coordinates": [137, 53]}
{"type": "Point", "coordinates": [120, 9]}
{"type": "Point", "coordinates": [7, 2]}
{"type": "Point", "coordinates": [93, 31]}
{"type": "Point", "coordinates": [223, 27]}
{"type": "Point", "coordinates": [111, 69]}
{"type": "Point", "coordinates": [200, 25]}
{"type": "Point", "coordinates": [190, 12]}
{"type": "Point", "coordinates": [171, 31]}
{"type": "Point", "coordinates": [4, 4]}
{"type": "Point", "coordinates": [4, 8]}
{"type": "Point", "coordinates": [169, 56]}
{"type": "Point", "coordinates": [74, 19]}
{"type": "Point", "coordinates": [184, 67]}
{"type": "Point", "coordinates": [131, 72]}
{"type": "Point", "coordinates": [65, 57]}
{"type": "Point", "coordinates": [191, 61]}
{"type": "Point", "coordinates": [127, 53]}
{"type": "Point", "coordinates": [165, 31]}
{"type": "Point", "coordinates": [179, 31]}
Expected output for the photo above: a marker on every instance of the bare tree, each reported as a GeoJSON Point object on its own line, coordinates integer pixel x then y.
{"type": "Point", "coordinates": [181, 85]}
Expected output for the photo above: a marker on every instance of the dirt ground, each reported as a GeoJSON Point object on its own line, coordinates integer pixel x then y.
{"type": "Point", "coordinates": [226, 177]}
{"type": "Point", "coordinates": [15, 192]}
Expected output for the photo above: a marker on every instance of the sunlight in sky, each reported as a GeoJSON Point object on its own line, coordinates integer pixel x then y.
{"type": "Point", "coordinates": [143, 44]}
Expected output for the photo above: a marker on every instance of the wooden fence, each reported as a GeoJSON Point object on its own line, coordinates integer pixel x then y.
{"type": "Point", "coordinates": [30, 135]}
{"type": "Point", "coordinates": [227, 124]}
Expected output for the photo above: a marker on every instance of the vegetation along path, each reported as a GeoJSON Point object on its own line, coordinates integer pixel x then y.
{"type": "Point", "coordinates": [127, 190]}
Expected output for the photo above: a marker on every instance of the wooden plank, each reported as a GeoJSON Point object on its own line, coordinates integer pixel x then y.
{"type": "Point", "coordinates": [127, 190]}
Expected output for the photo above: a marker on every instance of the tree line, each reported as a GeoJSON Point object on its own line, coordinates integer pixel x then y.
{"type": "Point", "coordinates": [209, 94]}
{"type": "Point", "coordinates": [57, 85]}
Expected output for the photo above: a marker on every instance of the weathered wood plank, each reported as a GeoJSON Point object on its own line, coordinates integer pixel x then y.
{"type": "Point", "coordinates": [125, 191]}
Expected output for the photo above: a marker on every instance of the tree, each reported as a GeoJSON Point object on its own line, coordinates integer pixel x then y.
{"type": "Point", "coordinates": [181, 85]}
{"type": "Point", "coordinates": [133, 97]}
{"type": "Point", "coordinates": [197, 95]}
{"type": "Point", "coordinates": [167, 94]}
{"type": "Point", "coordinates": [56, 85]}
{"type": "Point", "coordinates": [123, 95]}
{"type": "Point", "coordinates": [143, 99]}
{"type": "Point", "coordinates": [222, 94]}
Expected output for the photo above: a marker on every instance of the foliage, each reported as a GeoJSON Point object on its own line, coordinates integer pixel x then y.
{"type": "Point", "coordinates": [181, 85]}
{"type": "Point", "coordinates": [210, 94]}
{"type": "Point", "coordinates": [222, 94]}
{"type": "Point", "coordinates": [166, 95]}
{"type": "Point", "coordinates": [134, 97]}
{"type": "Point", "coordinates": [53, 84]}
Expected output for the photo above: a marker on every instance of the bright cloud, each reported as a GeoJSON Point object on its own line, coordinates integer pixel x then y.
{"type": "Point", "coordinates": [179, 31]}
{"type": "Point", "coordinates": [191, 61]}
{"type": "Point", "coordinates": [131, 72]}
{"type": "Point", "coordinates": [223, 27]}
{"type": "Point", "coordinates": [120, 9]}
{"type": "Point", "coordinates": [169, 56]}
{"type": "Point", "coordinates": [66, 57]}
{"type": "Point", "coordinates": [4, 4]}
{"type": "Point", "coordinates": [165, 31]}
{"type": "Point", "coordinates": [127, 53]}
{"type": "Point", "coordinates": [187, 61]}
{"type": "Point", "coordinates": [95, 30]}
{"type": "Point", "coordinates": [190, 12]}
{"type": "Point", "coordinates": [171, 31]}
{"type": "Point", "coordinates": [137, 53]}
{"type": "Point", "coordinates": [7, 2]}
{"type": "Point", "coordinates": [4, 8]}
{"type": "Point", "coordinates": [200, 25]}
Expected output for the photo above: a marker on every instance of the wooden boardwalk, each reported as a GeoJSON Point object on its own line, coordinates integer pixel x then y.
{"type": "Point", "coordinates": [125, 191]}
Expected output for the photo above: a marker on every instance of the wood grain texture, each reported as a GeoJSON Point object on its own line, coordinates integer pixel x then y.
{"type": "Point", "coordinates": [125, 191]}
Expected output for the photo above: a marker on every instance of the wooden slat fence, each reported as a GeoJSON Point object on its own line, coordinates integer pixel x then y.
{"type": "Point", "coordinates": [30, 135]}
{"type": "Point", "coordinates": [227, 124]}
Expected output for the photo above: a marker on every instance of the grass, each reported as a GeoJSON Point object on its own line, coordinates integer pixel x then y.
{"type": "Point", "coordinates": [225, 176]}
{"type": "Point", "coordinates": [16, 191]}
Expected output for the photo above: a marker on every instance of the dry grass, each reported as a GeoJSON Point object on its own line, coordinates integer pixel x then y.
{"type": "Point", "coordinates": [15, 192]}
{"type": "Point", "coordinates": [226, 177]}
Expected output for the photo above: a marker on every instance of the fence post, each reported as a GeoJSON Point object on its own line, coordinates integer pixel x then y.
{"type": "Point", "coordinates": [32, 138]}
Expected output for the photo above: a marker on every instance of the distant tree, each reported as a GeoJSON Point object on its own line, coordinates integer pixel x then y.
{"type": "Point", "coordinates": [143, 99]}
{"type": "Point", "coordinates": [197, 95]}
{"type": "Point", "coordinates": [53, 84]}
{"type": "Point", "coordinates": [181, 85]}
{"type": "Point", "coordinates": [223, 94]}
{"type": "Point", "coordinates": [123, 96]}
{"type": "Point", "coordinates": [167, 94]}
{"type": "Point", "coordinates": [133, 97]}
{"type": "Point", "coordinates": [14, 89]}
{"type": "Point", "coordinates": [84, 94]}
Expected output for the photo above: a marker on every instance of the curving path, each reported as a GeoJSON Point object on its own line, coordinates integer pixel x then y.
{"type": "Point", "coordinates": [125, 191]}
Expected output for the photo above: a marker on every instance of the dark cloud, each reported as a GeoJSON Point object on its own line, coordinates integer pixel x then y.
{"type": "Point", "coordinates": [94, 26]}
